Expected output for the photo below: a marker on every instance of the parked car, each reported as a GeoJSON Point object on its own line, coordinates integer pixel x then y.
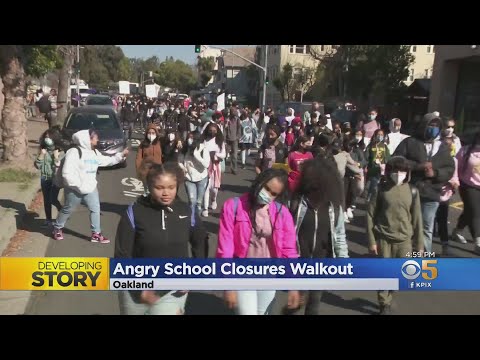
{"type": "Point", "coordinates": [104, 120]}
{"type": "Point", "coordinates": [100, 100]}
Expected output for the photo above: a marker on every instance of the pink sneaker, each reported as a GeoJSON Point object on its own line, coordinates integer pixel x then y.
{"type": "Point", "coordinates": [57, 234]}
{"type": "Point", "coordinates": [99, 238]}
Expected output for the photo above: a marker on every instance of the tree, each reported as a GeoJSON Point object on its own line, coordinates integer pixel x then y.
{"type": "Point", "coordinates": [253, 77]}
{"type": "Point", "coordinates": [68, 52]}
{"type": "Point", "coordinates": [362, 70]}
{"type": "Point", "coordinates": [17, 61]}
{"type": "Point", "coordinates": [177, 75]}
{"type": "Point", "coordinates": [285, 82]}
{"type": "Point", "coordinates": [125, 71]}
{"type": "Point", "coordinates": [205, 68]}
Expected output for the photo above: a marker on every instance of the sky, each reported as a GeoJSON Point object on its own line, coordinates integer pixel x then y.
{"type": "Point", "coordinates": [185, 53]}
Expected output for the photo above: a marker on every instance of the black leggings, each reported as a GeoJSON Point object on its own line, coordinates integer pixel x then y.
{"type": "Point", "coordinates": [471, 209]}
{"type": "Point", "coordinates": [442, 221]}
{"type": "Point", "coordinates": [350, 191]}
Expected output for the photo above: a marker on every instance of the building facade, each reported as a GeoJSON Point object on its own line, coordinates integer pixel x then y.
{"type": "Point", "coordinates": [455, 88]}
{"type": "Point", "coordinates": [422, 68]}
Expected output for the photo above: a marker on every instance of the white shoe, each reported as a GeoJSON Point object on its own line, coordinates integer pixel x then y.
{"type": "Point", "coordinates": [347, 220]}
{"type": "Point", "coordinates": [353, 207]}
{"type": "Point", "coordinates": [457, 237]}
{"type": "Point", "coordinates": [205, 213]}
{"type": "Point", "coordinates": [214, 205]}
{"type": "Point", "coordinates": [349, 213]}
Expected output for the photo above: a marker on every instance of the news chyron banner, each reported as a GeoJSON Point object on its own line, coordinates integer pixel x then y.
{"type": "Point", "coordinates": [54, 273]}
{"type": "Point", "coordinates": [409, 274]}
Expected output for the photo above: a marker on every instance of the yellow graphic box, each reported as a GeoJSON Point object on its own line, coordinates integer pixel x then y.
{"type": "Point", "coordinates": [54, 273]}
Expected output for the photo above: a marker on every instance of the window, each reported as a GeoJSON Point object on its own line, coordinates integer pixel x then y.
{"type": "Point", "coordinates": [413, 48]}
{"type": "Point", "coordinates": [322, 47]}
{"type": "Point", "coordinates": [429, 49]}
{"type": "Point", "coordinates": [411, 75]}
{"type": "Point", "coordinates": [307, 49]}
{"type": "Point", "coordinates": [291, 49]}
{"type": "Point", "coordinates": [299, 49]}
{"type": "Point", "coordinates": [426, 73]}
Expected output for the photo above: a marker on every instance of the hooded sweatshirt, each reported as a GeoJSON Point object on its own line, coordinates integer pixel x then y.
{"type": "Point", "coordinates": [80, 175]}
{"type": "Point", "coordinates": [394, 137]}
{"type": "Point", "coordinates": [150, 151]}
{"type": "Point", "coordinates": [291, 117]}
{"type": "Point", "coordinates": [414, 149]}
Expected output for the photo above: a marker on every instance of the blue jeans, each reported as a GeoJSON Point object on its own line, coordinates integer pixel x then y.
{"type": "Point", "coordinates": [50, 197]}
{"type": "Point", "coordinates": [172, 303]}
{"type": "Point", "coordinates": [372, 188]}
{"type": "Point", "coordinates": [255, 302]}
{"type": "Point", "coordinates": [72, 200]}
{"type": "Point", "coordinates": [429, 211]}
{"type": "Point", "coordinates": [196, 192]}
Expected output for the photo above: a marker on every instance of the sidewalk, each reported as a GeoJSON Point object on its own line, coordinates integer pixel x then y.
{"type": "Point", "coordinates": [21, 217]}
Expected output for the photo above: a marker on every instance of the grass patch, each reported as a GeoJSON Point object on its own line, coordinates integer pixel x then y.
{"type": "Point", "coordinates": [16, 175]}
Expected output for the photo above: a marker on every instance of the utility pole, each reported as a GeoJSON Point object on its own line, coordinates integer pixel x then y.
{"type": "Point", "coordinates": [77, 75]}
{"type": "Point", "coordinates": [265, 78]}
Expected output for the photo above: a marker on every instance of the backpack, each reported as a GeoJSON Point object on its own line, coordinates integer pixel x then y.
{"type": "Point", "coordinates": [58, 180]}
{"type": "Point", "coordinates": [131, 217]}
{"type": "Point", "coordinates": [44, 105]}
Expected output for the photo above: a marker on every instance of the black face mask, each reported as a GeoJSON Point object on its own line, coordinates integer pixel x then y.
{"type": "Point", "coordinates": [271, 141]}
{"type": "Point", "coordinates": [212, 134]}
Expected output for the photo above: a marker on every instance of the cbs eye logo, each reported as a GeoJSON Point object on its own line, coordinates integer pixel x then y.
{"type": "Point", "coordinates": [411, 269]}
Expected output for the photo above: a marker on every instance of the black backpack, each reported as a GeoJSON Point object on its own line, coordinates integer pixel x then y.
{"type": "Point", "coordinates": [44, 105]}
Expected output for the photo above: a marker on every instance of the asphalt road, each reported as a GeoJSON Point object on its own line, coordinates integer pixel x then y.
{"type": "Point", "coordinates": [118, 188]}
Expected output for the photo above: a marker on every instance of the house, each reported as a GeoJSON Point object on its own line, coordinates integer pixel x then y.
{"type": "Point", "coordinates": [422, 67]}
{"type": "Point", "coordinates": [455, 89]}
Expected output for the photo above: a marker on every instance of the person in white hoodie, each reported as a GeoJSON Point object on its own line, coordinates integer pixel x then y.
{"type": "Point", "coordinates": [195, 161]}
{"type": "Point", "coordinates": [290, 116]}
{"type": "Point", "coordinates": [79, 173]}
{"type": "Point", "coordinates": [395, 137]}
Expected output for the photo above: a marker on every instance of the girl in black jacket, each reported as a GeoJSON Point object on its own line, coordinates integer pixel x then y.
{"type": "Point", "coordinates": [159, 226]}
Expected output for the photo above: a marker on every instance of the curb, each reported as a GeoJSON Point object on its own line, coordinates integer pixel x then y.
{"type": "Point", "coordinates": [8, 222]}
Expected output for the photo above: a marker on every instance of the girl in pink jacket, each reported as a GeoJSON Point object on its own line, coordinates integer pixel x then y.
{"type": "Point", "coordinates": [258, 225]}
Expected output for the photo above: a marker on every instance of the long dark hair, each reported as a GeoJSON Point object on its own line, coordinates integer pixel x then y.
{"type": "Point", "coordinates": [301, 139]}
{"type": "Point", "coordinates": [320, 182]}
{"type": "Point", "coordinates": [218, 138]}
{"type": "Point", "coordinates": [373, 141]}
{"type": "Point", "coordinates": [258, 184]}
{"type": "Point", "coordinates": [146, 141]}
{"type": "Point", "coordinates": [197, 141]}
{"type": "Point", "coordinates": [475, 142]}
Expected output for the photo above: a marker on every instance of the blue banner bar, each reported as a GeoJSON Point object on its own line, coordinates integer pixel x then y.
{"type": "Point", "coordinates": [412, 274]}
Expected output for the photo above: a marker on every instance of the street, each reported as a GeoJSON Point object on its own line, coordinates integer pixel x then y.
{"type": "Point", "coordinates": [118, 188]}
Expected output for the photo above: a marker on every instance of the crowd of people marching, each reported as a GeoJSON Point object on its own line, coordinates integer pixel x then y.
{"type": "Point", "coordinates": [311, 171]}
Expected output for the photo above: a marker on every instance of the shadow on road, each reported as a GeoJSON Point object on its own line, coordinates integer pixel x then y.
{"type": "Point", "coordinates": [76, 234]}
{"type": "Point", "coordinates": [356, 304]}
{"type": "Point", "coordinates": [118, 209]}
{"type": "Point", "coordinates": [205, 304]}
{"type": "Point", "coordinates": [20, 208]}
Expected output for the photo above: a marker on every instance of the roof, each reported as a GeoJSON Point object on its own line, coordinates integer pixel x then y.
{"type": "Point", "coordinates": [97, 109]}
{"type": "Point", "coordinates": [231, 60]}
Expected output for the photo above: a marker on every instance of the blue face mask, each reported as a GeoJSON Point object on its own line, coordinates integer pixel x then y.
{"type": "Point", "coordinates": [264, 197]}
{"type": "Point", "coordinates": [432, 132]}
{"type": "Point", "coordinates": [379, 138]}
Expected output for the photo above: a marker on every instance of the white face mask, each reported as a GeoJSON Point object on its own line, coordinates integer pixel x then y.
{"type": "Point", "coordinates": [190, 141]}
{"type": "Point", "coordinates": [399, 177]}
{"type": "Point", "coordinates": [152, 137]}
{"type": "Point", "coordinates": [358, 138]}
{"type": "Point", "coordinates": [177, 111]}
{"type": "Point", "coordinates": [171, 136]}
